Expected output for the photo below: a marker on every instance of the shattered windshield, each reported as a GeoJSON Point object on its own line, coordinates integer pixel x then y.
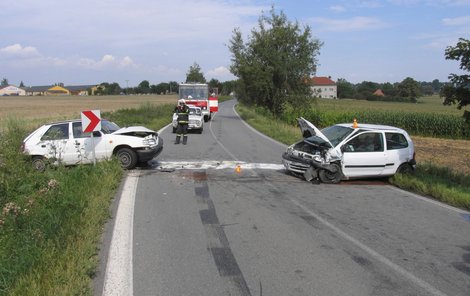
{"type": "Point", "coordinates": [108, 127]}
{"type": "Point", "coordinates": [334, 133]}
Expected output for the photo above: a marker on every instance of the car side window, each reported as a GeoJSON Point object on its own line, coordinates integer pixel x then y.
{"type": "Point", "coordinates": [396, 141]}
{"type": "Point", "coordinates": [366, 142]}
{"type": "Point", "coordinates": [57, 132]}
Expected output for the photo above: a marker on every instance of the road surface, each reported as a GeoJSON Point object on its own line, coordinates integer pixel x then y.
{"type": "Point", "coordinates": [220, 216]}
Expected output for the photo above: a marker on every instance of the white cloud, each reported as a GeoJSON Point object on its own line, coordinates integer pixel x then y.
{"type": "Point", "coordinates": [352, 24]}
{"type": "Point", "coordinates": [457, 21]}
{"type": "Point", "coordinates": [219, 72]}
{"type": "Point", "coordinates": [17, 50]}
{"type": "Point", "coordinates": [338, 8]}
{"type": "Point", "coordinates": [107, 61]}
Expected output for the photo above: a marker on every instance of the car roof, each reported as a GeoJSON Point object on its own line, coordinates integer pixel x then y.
{"type": "Point", "coordinates": [67, 121]}
{"type": "Point", "coordinates": [374, 127]}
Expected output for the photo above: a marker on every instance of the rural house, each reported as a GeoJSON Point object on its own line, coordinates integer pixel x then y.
{"type": "Point", "coordinates": [58, 90]}
{"type": "Point", "coordinates": [11, 90]}
{"type": "Point", "coordinates": [324, 87]}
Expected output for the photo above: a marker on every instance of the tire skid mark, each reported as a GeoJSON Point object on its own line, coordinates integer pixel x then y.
{"type": "Point", "coordinates": [218, 244]}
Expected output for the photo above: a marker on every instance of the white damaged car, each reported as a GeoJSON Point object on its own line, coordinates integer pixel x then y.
{"type": "Point", "coordinates": [196, 119]}
{"type": "Point", "coordinates": [347, 151]}
{"type": "Point", "coordinates": [65, 143]}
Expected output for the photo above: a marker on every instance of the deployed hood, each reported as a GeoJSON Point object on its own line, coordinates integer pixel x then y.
{"type": "Point", "coordinates": [308, 130]}
{"type": "Point", "coordinates": [135, 131]}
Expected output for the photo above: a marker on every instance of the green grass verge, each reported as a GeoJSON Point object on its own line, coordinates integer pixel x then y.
{"type": "Point", "coordinates": [439, 183]}
{"type": "Point", "coordinates": [51, 223]}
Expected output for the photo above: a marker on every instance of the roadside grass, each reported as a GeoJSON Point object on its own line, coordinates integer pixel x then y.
{"type": "Point", "coordinates": [437, 182]}
{"type": "Point", "coordinates": [51, 222]}
{"type": "Point", "coordinates": [440, 183]}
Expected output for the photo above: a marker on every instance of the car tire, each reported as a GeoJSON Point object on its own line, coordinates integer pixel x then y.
{"type": "Point", "coordinates": [206, 118]}
{"type": "Point", "coordinates": [332, 177]}
{"type": "Point", "coordinates": [405, 168]}
{"type": "Point", "coordinates": [174, 130]}
{"type": "Point", "coordinates": [127, 157]}
{"type": "Point", "coordinates": [200, 131]}
{"type": "Point", "coordinates": [39, 163]}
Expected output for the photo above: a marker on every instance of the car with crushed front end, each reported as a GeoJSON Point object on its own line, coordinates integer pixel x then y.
{"type": "Point", "coordinates": [349, 151]}
{"type": "Point", "coordinates": [196, 120]}
{"type": "Point", "coordinates": [65, 143]}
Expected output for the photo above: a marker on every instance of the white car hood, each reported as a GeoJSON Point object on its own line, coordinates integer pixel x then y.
{"type": "Point", "coordinates": [307, 128]}
{"type": "Point", "coordinates": [134, 129]}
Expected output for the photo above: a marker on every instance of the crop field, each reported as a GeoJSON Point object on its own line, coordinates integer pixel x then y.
{"type": "Point", "coordinates": [39, 109]}
{"type": "Point", "coordinates": [431, 104]}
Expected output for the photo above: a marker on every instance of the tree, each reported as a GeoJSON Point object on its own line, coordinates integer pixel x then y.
{"type": "Point", "coordinates": [5, 82]}
{"type": "Point", "coordinates": [143, 87]}
{"type": "Point", "coordinates": [366, 89]}
{"type": "Point", "coordinates": [274, 67]}
{"type": "Point", "coordinates": [162, 88]}
{"type": "Point", "coordinates": [194, 74]}
{"type": "Point", "coordinates": [21, 83]}
{"type": "Point", "coordinates": [458, 90]}
{"type": "Point", "coordinates": [388, 89]}
{"type": "Point", "coordinates": [214, 83]}
{"type": "Point", "coordinates": [409, 88]}
{"type": "Point", "coordinates": [345, 89]}
{"type": "Point", "coordinates": [173, 87]}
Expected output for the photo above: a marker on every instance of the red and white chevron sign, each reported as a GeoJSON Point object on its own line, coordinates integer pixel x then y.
{"type": "Point", "coordinates": [91, 121]}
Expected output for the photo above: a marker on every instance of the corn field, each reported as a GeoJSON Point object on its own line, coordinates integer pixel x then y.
{"type": "Point", "coordinates": [415, 123]}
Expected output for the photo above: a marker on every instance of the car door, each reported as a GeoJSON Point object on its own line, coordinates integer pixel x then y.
{"type": "Point", "coordinates": [364, 155]}
{"type": "Point", "coordinates": [55, 143]}
{"type": "Point", "coordinates": [397, 151]}
{"type": "Point", "coordinates": [83, 145]}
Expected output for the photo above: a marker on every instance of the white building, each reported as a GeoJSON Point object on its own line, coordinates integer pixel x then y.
{"type": "Point", "coordinates": [324, 87]}
{"type": "Point", "coordinates": [11, 90]}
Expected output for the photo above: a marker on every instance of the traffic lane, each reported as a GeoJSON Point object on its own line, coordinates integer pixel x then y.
{"type": "Point", "coordinates": [390, 235]}
{"type": "Point", "coordinates": [170, 250]}
{"type": "Point", "coordinates": [199, 147]}
{"type": "Point", "coordinates": [225, 137]}
{"type": "Point", "coordinates": [244, 142]}
{"type": "Point", "coordinates": [290, 237]}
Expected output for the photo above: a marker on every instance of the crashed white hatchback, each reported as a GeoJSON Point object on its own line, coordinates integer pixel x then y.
{"type": "Point", "coordinates": [65, 143]}
{"type": "Point", "coordinates": [346, 151]}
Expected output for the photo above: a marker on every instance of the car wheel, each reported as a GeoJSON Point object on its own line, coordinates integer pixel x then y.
{"type": "Point", "coordinates": [39, 163]}
{"type": "Point", "coordinates": [200, 130]}
{"type": "Point", "coordinates": [174, 129]}
{"type": "Point", "coordinates": [127, 158]}
{"type": "Point", "coordinates": [332, 177]}
{"type": "Point", "coordinates": [405, 168]}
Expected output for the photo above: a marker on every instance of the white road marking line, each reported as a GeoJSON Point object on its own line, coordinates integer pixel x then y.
{"type": "Point", "coordinates": [217, 165]}
{"type": "Point", "coordinates": [408, 275]}
{"type": "Point", "coordinates": [118, 278]}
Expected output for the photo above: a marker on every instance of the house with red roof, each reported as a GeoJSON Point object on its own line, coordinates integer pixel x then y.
{"type": "Point", "coordinates": [324, 87]}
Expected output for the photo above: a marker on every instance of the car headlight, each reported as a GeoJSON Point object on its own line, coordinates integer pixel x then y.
{"type": "Point", "coordinates": [150, 142]}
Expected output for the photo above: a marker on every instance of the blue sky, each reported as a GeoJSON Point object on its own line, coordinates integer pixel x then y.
{"type": "Point", "coordinates": [87, 42]}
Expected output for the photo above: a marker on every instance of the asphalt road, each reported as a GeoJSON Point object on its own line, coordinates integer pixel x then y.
{"type": "Point", "coordinates": [191, 224]}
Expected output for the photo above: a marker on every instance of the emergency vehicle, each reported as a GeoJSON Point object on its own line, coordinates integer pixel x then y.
{"type": "Point", "coordinates": [197, 94]}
